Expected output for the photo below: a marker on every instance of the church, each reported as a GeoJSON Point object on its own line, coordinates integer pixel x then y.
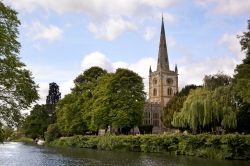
{"type": "Point", "coordinates": [163, 85]}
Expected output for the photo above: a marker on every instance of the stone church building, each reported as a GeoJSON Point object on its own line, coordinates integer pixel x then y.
{"type": "Point", "coordinates": [163, 84]}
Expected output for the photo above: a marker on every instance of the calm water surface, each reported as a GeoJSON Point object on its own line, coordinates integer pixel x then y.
{"type": "Point", "coordinates": [19, 154]}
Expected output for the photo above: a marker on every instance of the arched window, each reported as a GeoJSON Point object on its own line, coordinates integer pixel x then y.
{"type": "Point", "coordinates": [170, 92]}
{"type": "Point", "coordinates": [155, 81]}
{"type": "Point", "coordinates": [155, 92]}
{"type": "Point", "coordinates": [169, 81]}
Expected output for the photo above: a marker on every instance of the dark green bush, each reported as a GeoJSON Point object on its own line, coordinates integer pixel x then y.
{"type": "Point", "coordinates": [230, 146]}
{"type": "Point", "coordinates": [52, 132]}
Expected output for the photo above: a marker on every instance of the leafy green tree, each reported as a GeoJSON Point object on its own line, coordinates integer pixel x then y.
{"type": "Point", "coordinates": [185, 91]}
{"type": "Point", "coordinates": [69, 115]}
{"type": "Point", "coordinates": [242, 76]}
{"type": "Point", "coordinates": [174, 105]}
{"type": "Point", "coordinates": [241, 84]}
{"type": "Point", "coordinates": [213, 81]}
{"type": "Point", "coordinates": [52, 132]}
{"type": "Point", "coordinates": [101, 104]}
{"type": "Point", "coordinates": [88, 79]}
{"type": "Point", "coordinates": [37, 122]}
{"type": "Point", "coordinates": [17, 88]}
{"type": "Point", "coordinates": [7, 131]}
{"type": "Point", "coordinates": [74, 112]}
{"type": "Point", "coordinates": [127, 99]}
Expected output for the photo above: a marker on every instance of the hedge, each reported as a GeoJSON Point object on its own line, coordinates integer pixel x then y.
{"type": "Point", "coordinates": [229, 146]}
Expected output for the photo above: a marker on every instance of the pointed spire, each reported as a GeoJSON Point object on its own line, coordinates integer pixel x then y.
{"type": "Point", "coordinates": [176, 69]}
{"type": "Point", "coordinates": [150, 70]}
{"type": "Point", "coordinates": [163, 63]}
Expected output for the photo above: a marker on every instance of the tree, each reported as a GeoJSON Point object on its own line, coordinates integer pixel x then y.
{"type": "Point", "coordinates": [51, 101]}
{"type": "Point", "coordinates": [213, 81]}
{"type": "Point", "coordinates": [241, 84]}
{"type": "Point", "coordinates": [242, 71]}
{"type": "Point", "coordinates": [206, 110]}
{"type": "Point", "coordinates": [101, 104]}
{"type": "Point", "coordinates": [175, 104]}
{"type": "Point", "coordinates": [69, 115]}
{"type": "Point", "coordinates": [127, 100]}
{"type": "Point", "coordinates": [88, 77]}
{"type": "Point", "coordinates": [37, 122]}
{"type": "Point", "coordinates": [54, 94]}
{"type": "Point", "coordinates": [75, 111]}
{"type": "Point", "coordinates": [17, 88]}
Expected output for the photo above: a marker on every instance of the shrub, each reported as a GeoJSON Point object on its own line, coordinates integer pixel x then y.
{"type": "Point", "coordinates": [52, 132]}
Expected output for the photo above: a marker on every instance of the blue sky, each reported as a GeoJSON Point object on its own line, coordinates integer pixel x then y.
{"type": "Point", "coordinates": [61, 38]}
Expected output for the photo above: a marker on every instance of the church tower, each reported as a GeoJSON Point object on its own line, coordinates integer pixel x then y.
{"type": "Point", "coordinates": [163, 85]}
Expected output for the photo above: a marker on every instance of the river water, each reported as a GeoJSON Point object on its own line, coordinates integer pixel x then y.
{"type": "Point", "coordinates": [19, 154]}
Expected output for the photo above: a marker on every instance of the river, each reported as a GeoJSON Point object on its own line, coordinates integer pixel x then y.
{"type": "Point", "coordinates": [19, 154]}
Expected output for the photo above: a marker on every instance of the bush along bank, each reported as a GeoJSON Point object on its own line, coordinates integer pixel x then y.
{"type": "Point", "coordinates": [230, 146]}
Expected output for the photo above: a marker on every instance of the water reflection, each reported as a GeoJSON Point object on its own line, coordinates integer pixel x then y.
{"type": "Point", "coordinates": [23, 155]}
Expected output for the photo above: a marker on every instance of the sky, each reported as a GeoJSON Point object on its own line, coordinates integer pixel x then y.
{"type": "Point", "coordinates": [62, 38]}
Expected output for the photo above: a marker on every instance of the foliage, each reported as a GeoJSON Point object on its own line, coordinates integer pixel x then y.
{"type": "Point", "coordinates": [242, 71]}
{"type": "Point", "coordinates": [74, 111]}
{"type": "Point", "coordinates": [185, 91]}
{"type": "Point", "coordinates": [101, 104]}
{"type": "Point", "coordinates": [214, 81]}
{"type": "Point", "coordinates": [230, 146]}
{"type": "Point", "coordinates": [127, 99]}
{"type": "Point", "coordinates": [207, 110]}
{"type": "Point", "coordinates": [25, 140]}
{"type": "Point", "coordinates": [88, 76]}
{"type": "Point", "coordinates": [7, 132]}
{"type": "Point", "coordinates": [53, 97]}
{"type": "Point", "coordinates": [241, 84]}
{"type": "Point", "coordinates": [17, 88]}
{"type": "Point", "coordinates": [52, 132]}
{"type": "Point", "coordinates": [100, 99]}
{"type": "Point", "coordinates": [69, 115]}
{"type": "Point", "coordinates": [37, 122]}
{"type": "Point", "coordinates": [54, 94]}
{"type": "Point", "coordinates": [175, 104]}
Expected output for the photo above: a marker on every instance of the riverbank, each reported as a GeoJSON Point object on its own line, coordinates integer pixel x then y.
{"type": "Point", "coordinates": [24, 140]}
{"type": "Point", "coordinates": [229, 146]}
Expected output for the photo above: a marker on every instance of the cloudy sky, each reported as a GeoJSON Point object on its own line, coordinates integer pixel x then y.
{"type": "Point", "coordinates": [61, 38]}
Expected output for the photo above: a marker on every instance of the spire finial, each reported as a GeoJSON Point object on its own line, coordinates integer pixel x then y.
{"type": "Point", "coordinates": [162, 18]}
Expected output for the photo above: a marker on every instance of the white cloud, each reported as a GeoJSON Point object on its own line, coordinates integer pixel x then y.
{"type": "Point", "coordinates": [141, 67]}
{"type": "Point", "coordinates": [232, 43]}
{"type": "Point", "coordinates": [96, 59]}
{"type": "Point", "coordinates": [38, 31]}
{"type": "Point", "coordinates": [111, 29]}
{"type": "Point", "coordinates": [194, 72]}
{"type": "Point", "coordinates": [227, 7]}
{"type": "Point", "coordinates": [92, 7]}
{"type": "Point", "coordinates": [108, 18]}
{"type": "Point", "coordinates": [149, 33]}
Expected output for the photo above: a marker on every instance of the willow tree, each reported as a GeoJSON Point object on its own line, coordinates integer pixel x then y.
{"type": "Point", "coordinates": [206, 110]}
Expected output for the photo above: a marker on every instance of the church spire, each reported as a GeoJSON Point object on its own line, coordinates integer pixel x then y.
{"type": "Point", "coordinates": [162, 63]}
